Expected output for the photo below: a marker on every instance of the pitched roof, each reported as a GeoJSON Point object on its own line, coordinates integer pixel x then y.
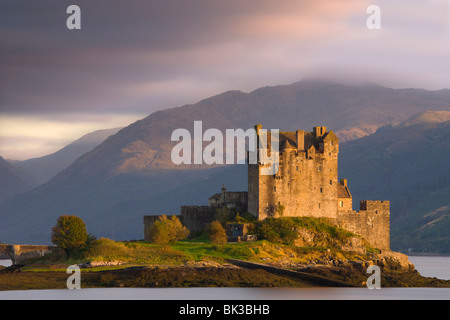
{"type": "Point", "coordinates": [343, 191]}
{"type": "Point", "coordinates": [286, 144]}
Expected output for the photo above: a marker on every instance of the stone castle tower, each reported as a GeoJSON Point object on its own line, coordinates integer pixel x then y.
{"type": "Point", "coordinates": [307, 185]}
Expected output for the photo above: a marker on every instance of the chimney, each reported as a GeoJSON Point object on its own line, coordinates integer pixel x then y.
{"type": "Point", "coordinates": [258, 128]}
{"type": "Point", "coordinates": [320, 131]}
{"type": "Point", "coordinates": [300, 137]}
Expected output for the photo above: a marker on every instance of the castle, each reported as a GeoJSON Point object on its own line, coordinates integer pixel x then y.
{"type": "Point", "coordinates": [305, 185]}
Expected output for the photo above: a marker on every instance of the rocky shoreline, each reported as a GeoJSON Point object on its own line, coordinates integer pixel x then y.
{"type": "Point", "coordinates": [325, 269]}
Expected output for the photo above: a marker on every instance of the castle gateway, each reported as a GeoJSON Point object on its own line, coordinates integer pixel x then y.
{"type": "Point", "coordinates": [306, 185]}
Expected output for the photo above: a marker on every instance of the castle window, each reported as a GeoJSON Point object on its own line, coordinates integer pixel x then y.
{"type": "Point", "coordinates": [319, 205]}
{"type": "Point", "coordinates": [321, 190]}
{"type": "Point", "coordinates": [331, 142]}
{"type": "Point", "coordinates": [274, 189]}
{"type": "Point", "coordinates": [319, 168]}
{"type": "Point", "coordinates": [341, 203]}
{"type": "Point", "coordinates": [331, 182]}
{"type": "Point", "coordinates": [296, 168]}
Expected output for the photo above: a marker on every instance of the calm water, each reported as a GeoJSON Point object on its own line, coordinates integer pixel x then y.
{"type": "Point", "coordinates": [427, 266]}
{"type": "Point", "coordinates": [5, 263]}
{"type": "Point", "coordinates": [438, 267]}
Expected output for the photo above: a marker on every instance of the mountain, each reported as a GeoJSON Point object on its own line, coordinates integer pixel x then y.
{"type": "Point", "coordinates": [46, 167]}
{"type": "Point", "coordinates": [12, 181]}
{"type": "Point", "coordinates": [427, 117]}
{"type": "Point", "coordinates": [131, 172]}
{"type": "Point", "coordinates": [407, 164]}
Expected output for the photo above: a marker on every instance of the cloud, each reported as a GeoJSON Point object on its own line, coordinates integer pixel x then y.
{"type": "Point", "coordinates": [140, 56]}
{"type": "Point", "coordinates": [26, 136]}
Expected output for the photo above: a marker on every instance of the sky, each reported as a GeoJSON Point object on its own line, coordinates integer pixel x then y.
{"type": "Point", "coordinates": [131, 58]}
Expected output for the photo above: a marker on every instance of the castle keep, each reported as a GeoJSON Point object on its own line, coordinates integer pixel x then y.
{"type": "Point", "coordinates": [306, 185]}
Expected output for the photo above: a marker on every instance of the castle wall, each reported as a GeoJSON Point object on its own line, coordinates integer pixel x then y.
{"type": "Point", "coordinates": [306, 183]}
{"type": "Point", "coordinates": [237, 201]}
{"type": "Point", "coordinates": [345, 204]}
{"type": "Point", "coordinates": [372, 222]}
{"type": "Point", "coordinates": [253, 189]}
{"type": "Point", "coordinates": [20, 253]}
{"type": "Point", "coordinates": [196, 218]}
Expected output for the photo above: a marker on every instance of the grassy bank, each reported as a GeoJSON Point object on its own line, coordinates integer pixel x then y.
{"type": "Point", "coordinates": [315, 248]}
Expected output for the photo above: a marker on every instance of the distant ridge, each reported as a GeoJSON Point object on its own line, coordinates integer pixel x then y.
{"type": "Point", "coordinates": [427, 117]}
{"type": "Point", "coordinates": [46, 167]}
{"type": "Point", "coordinates": [12, 181]}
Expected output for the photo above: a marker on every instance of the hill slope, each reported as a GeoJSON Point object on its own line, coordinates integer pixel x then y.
{"type": "Point", "coordinates": [408, 165]}
{"type": "Point", "coordinates": [46, 167]}
{"type": "Point", "coordinates": [12, 181]}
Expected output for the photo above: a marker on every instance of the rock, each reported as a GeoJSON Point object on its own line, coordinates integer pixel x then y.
{"type": "Point", "coordinates": [92, 264]}
{"type": "Point", "coordinates": [15, 268]}
{"type": "Point", "coordinates": [395, 260]}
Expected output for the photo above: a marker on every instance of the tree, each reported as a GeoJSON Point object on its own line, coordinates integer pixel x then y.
{"type": "Point", "coordinates": [69, 233]}
{"type": "Point", "coordinates": [217, 233]}
{"type": "Point", "coordinates": [167, 230]}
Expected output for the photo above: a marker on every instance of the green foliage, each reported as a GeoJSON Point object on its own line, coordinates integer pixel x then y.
{"type": "Point", "coordinates": [224, 215]}
{"type": "Point", "coordinates": [284, 230]}
{"type": "Point", "coordinates": [217, 233]}
{"type": "Point", "coordinates": [167, 230]}
{"type": "Point", "coordinates": [322, 226]}
{"type": "Point", "coordinates": [70, 233]}
{"type": "Point", "coordinates": [277, 230]}
{"type": "Point", "coordinates": [245, 217]}
{"type": "Point", "coordinates": [280, 209]}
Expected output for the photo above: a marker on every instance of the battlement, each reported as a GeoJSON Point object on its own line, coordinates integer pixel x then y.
{"type": "Point", "coordinates": [377, 206]}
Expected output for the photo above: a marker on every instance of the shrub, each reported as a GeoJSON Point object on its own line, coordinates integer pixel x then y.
{"type": "Point", "coordinates": [69, 233]}
{"type": "Point", "coordinates": [217, 233]}
{"type": "Point", "coordinates": [167, 230]}
{"type": "Point", "coordinates": [277, 230]}
{"type": "Point", "coordinates": [224, 215]}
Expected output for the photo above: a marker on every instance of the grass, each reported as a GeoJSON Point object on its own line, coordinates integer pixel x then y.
{"type": "Point", "coordinates": [163, 260]}
{"type": "Point", "coordinates": [50, 271]}
{"type": "Point", "coordinates": [139, 253]}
